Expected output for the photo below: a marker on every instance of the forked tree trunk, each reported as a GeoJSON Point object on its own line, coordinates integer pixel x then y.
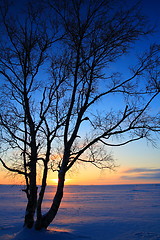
{"type": "Point", "coordinates": [50, 215]}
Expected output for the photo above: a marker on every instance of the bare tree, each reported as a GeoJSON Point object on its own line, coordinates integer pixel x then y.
{"type": "Point", "coordinates": [55, 66]}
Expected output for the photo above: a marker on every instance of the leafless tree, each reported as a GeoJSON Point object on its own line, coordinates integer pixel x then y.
{"type": "Point", "coordinates": [57, 88]}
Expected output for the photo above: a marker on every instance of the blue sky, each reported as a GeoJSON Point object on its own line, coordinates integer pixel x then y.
{"type": "Point", "coordinates": [138, 162]}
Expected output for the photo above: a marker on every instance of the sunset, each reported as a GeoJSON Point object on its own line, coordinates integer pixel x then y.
{"type": "Point", "coordinates": [132, 167]}
{"type": "Point", "coordinates": [79, 119]}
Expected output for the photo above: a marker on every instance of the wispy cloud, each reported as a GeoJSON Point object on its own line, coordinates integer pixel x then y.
{"type": "Point", "coordinates": [141, 173]}
{"type": "Point", "coordinates": [142, 170]}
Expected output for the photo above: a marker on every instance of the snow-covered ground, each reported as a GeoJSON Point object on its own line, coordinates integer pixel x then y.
{"type": "Point", "coordinates": [124, 212]}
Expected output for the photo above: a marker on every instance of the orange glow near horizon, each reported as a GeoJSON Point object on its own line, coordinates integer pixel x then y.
{"type": "Point", "coordinates": [115, 181]}
{"type": "Point", "coordinates": [141, 168]}
{"type": "Point", "coordinates": [86, 176]}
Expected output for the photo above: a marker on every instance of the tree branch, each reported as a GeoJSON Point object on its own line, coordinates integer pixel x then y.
{"type": "Point", "coordinates": [12, 169]}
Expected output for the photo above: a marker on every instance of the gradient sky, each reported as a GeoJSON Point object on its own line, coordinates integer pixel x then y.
{"type": "Point", "coordinates": [138, 162]}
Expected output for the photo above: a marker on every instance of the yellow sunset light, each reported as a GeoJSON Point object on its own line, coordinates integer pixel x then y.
{"type": "Point", "coordinates": [55, 180]}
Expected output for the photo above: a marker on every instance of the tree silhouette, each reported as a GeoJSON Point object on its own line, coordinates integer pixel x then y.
{"type": "Point", "coordinates": [57, 88]}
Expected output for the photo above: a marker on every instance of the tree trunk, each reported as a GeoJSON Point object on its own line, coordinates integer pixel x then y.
{"type": "Point", "coordinates": [32, 199]}
{"type": "Point", "coordinates": [39, 202]}
{"type": "Point", "coordinates": [50, 215]}
{"type": "Point", "coordinates": [31, 207]}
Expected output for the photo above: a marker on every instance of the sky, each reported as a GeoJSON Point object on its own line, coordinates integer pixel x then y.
{"type": "Point", "coordinates": [138, 162]}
